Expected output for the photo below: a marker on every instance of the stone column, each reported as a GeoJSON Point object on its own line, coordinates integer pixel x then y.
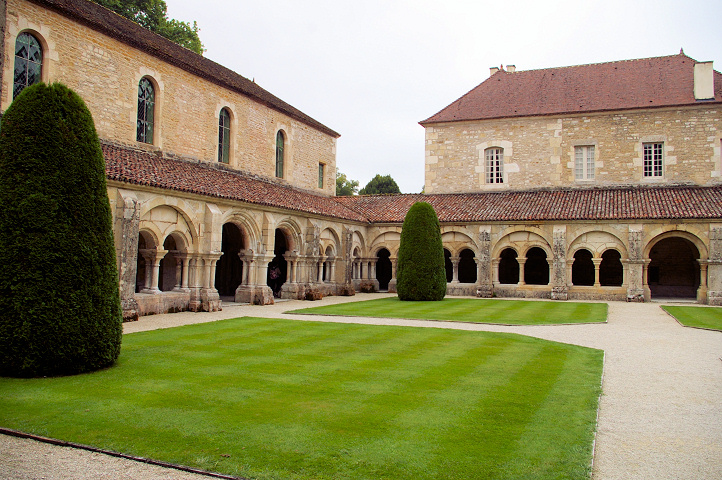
{"type": "Point", "coordinates": [521, 262]}
{"type": "Point", "coordinates": [486, 273]}
{"type": "Point", "coordinates": [185, 259]}
{"type": "Point", "coordinates": [702, 290]}
{"type": "Point", "coordinates": [455, 269]}
{"type": "Point", "coordinates": [210, 299]}
{"type": "Point", "coordinates": [636, 269]}
{"type": "Point", "coordinates": [319, 264]}
{"type": "Point", "coordinates": [159, 254]}
{"type": "Point", "coordinates": [559, 279]}
{"type": "Point", "coordinates": [393, 281]}
{"type": "Point", "coordinates": [195, 267]}
{"type": "Point", "coordinates": [597, 262]}
{"type": "Point", "coordinates": [714, 266]}
{"type": "Point", "coordinates": [126, 232]}
{"type": "Point", "coordinates": [495, 271]}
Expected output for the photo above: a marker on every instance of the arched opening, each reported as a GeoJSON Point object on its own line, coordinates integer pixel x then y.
{"type": "Point", "coordinates": [467, 266]}
{"type": "Point", "coordinates": [329, 258]}
{"type": "Point", "coordinates": [383, 268]}
{"type": "Point", "coordinates": [229, 268]}
{"type": "Point", "coordinates": [536, 267]}
{"type": "Point", "coordinates": [508, 267]}
{"type": "Point", "coordinates": [583, 268]}
{"type": "Point", "coordinates": [611, 271]}
{"type": "Point", "coordinates": [673, 269]}
{"type": "Point", "coordinates": [277, 268]}
{"type": "Point", "coordinates": [144, 266]}
{"type": "Point", "coordinates": [169, 273]}
{"type": "Point", "coordinates": [448, 266]}
{"type": "Point", "coordinates": [356, 265]}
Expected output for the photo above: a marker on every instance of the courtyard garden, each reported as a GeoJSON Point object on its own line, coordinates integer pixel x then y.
{"type": "Point", "coordinates": [474, 310]}
{"type": "Point", "coordinates": [709, 318]}
{"type": "Point", "coordinates": [280, 399]}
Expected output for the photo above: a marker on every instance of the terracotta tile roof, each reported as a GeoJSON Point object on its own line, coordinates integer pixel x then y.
{"type": "Point", "coordinates": [628, 84]}
{"type": "Point", "coordinates": [139, 167]}
{"type": "Point", "coordinates": [614, 203]}
{"type": "Point", "coordinates": [109, 23]}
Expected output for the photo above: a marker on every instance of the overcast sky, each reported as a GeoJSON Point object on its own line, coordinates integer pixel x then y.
{"type": "Point", "coordinates": [371, 70]}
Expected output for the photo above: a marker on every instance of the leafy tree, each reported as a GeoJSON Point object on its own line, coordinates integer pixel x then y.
{"type": "Point", "coordinates": [420, 274]}
{"type": "Point", "coordinates": [59, 300]}
{"type": "Point", "coordinates": [344, 186]}
{"type": "Point", "coordinates": [380, 185]}
{"type": "Point", "coordinates": [153, 15]}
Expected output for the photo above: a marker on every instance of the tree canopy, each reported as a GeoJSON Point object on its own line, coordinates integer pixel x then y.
{"type": "Point", "coordinates": [420, 273]}
{"type": "Point", "coordinates": [153, 15]}
{"type": "Point", "coordinates": [344, 186]}
{"type": "Point", "coordinates": [380, 185]}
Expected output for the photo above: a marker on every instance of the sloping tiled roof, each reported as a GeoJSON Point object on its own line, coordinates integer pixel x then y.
{"type": "Point", "coordinates": [629, 84]}
{"type": "Point", "coordinates": [139, 167]}
{"type": "Point", "coordinates": [615, 203]}
{"type": "Point", "coordinates": [113, 25]}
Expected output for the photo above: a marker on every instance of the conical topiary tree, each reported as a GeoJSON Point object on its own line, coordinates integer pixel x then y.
{"type": "Point", "coordinates": [420, 273]}
{"type": "Point", "coordinates": [59, 300]}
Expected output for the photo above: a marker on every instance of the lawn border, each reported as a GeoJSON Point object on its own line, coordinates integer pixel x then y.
{"type": "Point", "coordinates": [599, 406]}
{"type": "Point", "coordinates": [687, 326]}
{"type": "Point", "coordinates": [291, 312]}
{"type": "Point", "coordinates": [79, 446]}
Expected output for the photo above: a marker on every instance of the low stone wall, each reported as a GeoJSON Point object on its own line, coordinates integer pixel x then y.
{"type": "Point", "coordinates": [164, 302]}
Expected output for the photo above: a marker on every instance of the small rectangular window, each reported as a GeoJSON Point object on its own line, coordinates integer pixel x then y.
{"type": "Point", "coordinates": [584, 162]}
{"type": "Point", "coordinates": [321, 168]}
{"type": "Point", "coordinates": [653, 159]}
{"type": "Point", "coordinates": [494, 165]}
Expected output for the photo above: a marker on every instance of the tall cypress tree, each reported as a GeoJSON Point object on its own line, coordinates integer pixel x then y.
{"type": "Point", "coordinates": [420, 273]}
{"type": "Point", "coordinates": [59, 301]}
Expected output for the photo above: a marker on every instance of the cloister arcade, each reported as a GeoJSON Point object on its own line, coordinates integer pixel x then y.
{"type": "Point", "coordinates": [187, 262]}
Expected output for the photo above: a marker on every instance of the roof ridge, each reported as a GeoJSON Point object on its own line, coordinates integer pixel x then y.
{"type": "Point", "coordinates": [629, 60]}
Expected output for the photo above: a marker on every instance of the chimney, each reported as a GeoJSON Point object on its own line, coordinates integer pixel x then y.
{"type": "Point", "coordinates": [511, 68]}
{"type": "Point", "coordinates": [493, 70]}
{"type": "Point", "coordinates": [703, 81]}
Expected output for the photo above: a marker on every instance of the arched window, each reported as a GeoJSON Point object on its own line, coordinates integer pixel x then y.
{"type": "Point", "coordinates": [279, 154]}
{"type": "Point", "coordinates": [146, 107]}
{"type": "Point", "coordinates": [224, 136]}
{"type": "Point", "coordinates": [494, 165]}
{"type": "Point", "coordinates": [467, 266]}
{"type": "Point", "coordinates": [28, 62]}
{"type": "Point", "coordinates": [448, 266]}
{"type": "Point", "coordinates": [536, 267]}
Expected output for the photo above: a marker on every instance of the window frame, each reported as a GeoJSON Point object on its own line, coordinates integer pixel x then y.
{"type": "Point", "coordinates": [280, 153]}
{"type": "Point", "coordinates": [28, 62]}
{"type": "Point", "coordinates": [584, 163]}
{"type": "Point", "coordinates": [224, 136]}
{"type": "Point", "coordinates": [494, 165]}
{"type": "Point", "coordinates": [321, 174]}
{"type": "Point", "coordinates": [146, 112]}
{"type": "Point", "coordinates": [653, 159]}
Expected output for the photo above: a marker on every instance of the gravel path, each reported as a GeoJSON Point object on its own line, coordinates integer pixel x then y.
{"type": "Point", "coordinates": [660, 415]}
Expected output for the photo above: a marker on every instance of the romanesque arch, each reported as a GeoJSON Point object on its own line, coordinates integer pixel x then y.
{"type": "Point", "coordinates": [229, 268]}
{"type": "Point", "coordinates": [674, 269]}
{"type": "Point", "coordinates": [384, 269]}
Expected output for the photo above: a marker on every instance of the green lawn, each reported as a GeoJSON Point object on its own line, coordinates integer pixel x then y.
{"type": "Point", "coordinates": [281, 399]}
{"type": "Point", "coordinates": [475, 310]}
{"type": "Point", "coordinates": [700, 317]}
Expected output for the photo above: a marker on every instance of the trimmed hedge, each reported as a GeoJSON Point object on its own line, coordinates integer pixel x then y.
{"type": "Point", "coordinates": [420, 274]}
{"type": "Point", "coordinates": [59, 300]}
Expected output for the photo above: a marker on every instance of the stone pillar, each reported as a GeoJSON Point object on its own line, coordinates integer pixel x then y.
{"type": "Point", "coordinates": [559, 279]}
{"type": "Point", "coordinates": [393, 281]}
{"type": "Point", "coordinates": [485, 273]}
{"type": "Point", "coordinates": [159, 254]}
{"type": "Point", "coordinates": [495, 271]}
{"type": "Point", "coordinates": [127, 220]}
{"type": "Point", "coordinates": [521, 261]}
{"type": "Point", "coordinates": [455, 269]}
{"type": "Point", "coordinates": [702, 290]}
{"type": "Point", "coordinates": [185, 259]}
{"type": "Point", "coordinates": [195, 268]}
{"type": "Point", "coordinates": [636, 269]}
{"type": "Point", "coordinates": [597, 262]}
{"type": "Point", "coordinates": [210, 299]}
{"type": "Point", "coordinates": [332, 269]}
{"type": "Point", "coordinates": [714, 266]}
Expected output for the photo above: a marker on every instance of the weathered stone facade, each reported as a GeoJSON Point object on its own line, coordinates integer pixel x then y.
{"type": "Point", "coordinates": [539, 151]}
{"type": "Point", "coordinates": [186, 243]}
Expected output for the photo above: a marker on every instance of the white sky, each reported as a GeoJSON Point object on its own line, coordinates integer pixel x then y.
{"type": "Point", "coordinates": [372, 69]}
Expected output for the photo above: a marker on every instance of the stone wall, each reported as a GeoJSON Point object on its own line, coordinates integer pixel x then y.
{"type": "Point", "coordinates": [539, 151]}
{"type": "Point", "coordinates": [106, 72]}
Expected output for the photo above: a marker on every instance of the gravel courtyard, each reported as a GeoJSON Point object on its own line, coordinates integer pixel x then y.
{"type": "Point", "coordinates": [660, 415]}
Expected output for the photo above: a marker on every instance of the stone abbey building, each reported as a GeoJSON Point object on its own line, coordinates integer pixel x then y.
{"type": "Point", "coordinates": [589, 182]}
